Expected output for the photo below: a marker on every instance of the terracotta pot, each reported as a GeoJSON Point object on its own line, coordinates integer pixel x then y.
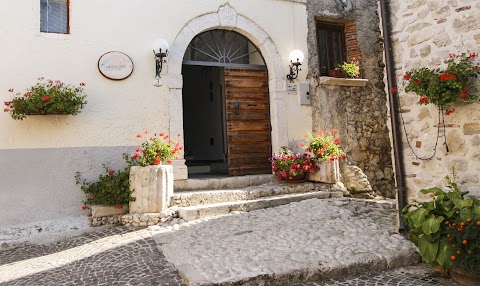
{"type": "Point", "coordinates": [156, 161]}
{"type": "Point", "coordinates": [300, 178]}
{"type": "Point", "coordinates": [335, 73]}
{"type": "Point", "coordinates": [463, 277]}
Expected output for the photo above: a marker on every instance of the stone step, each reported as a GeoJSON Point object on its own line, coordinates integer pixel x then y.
{"type": "Point", "coordinates": [216, 183]}
{"type": "Point", "coordinates": [202, 211]}
{"type": "Point", "coordinates": [205, 197]}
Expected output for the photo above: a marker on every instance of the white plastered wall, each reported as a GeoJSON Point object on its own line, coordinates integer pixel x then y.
{"type": "Point", "coordinates": [118, 110]}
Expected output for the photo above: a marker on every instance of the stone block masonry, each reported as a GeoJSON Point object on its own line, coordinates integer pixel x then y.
{"type": "Point", "coordinates": [358, 113]}
{"type": "Point", "coordinates": [425, 33]}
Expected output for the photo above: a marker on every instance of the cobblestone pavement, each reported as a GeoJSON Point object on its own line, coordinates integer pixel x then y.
{"type": "Point", "coordinates": [334, 237]}
{"type": "Point", "coordinates": [114, 256]}
{"type": "Point", "coordinates": [418, 275]}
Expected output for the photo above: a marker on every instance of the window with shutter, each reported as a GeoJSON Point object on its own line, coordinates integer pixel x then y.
{"type": "Point", "coordinates": [54, 16]}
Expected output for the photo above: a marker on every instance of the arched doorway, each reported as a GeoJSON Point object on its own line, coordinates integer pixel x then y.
{"type": "Point", "coordinates": [226, 106]}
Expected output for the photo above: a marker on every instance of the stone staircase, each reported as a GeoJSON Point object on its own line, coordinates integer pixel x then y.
{"type": "Point", "coordinates": [199, 198]}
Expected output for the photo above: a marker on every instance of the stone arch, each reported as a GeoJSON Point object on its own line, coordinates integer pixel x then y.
{"type": "Point", "coordinates": [227, 18]}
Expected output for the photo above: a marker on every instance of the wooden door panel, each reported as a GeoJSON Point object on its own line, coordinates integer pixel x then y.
{"type": "Point", "coordinates": [241, 105]}
{"type": "Point", "coordinates": [233, 115]}
{"type": "Point", "coordinates": [239, 138]}
{"type": "Point", "coordinates": [247, 121]}
{"type": "Point", "coordinates": [244, 83]}
{"type": "Point", "coordinates": [247, 126]}
{"type": "Point", "coordinates": [249, 94]}
{"type": "Point", "coordinates": [263, 148]}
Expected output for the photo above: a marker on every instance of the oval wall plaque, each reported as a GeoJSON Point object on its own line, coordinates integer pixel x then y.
{"type": "Point", "coordinates": [115, 65]}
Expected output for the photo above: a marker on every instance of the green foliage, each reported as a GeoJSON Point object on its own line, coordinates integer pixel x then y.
{"type": "Point", "coordinates": [156, 149]}
{"type": "Point", "coordinates": [289, 164]}
{"type": "Point", "coordinates": [431, 224]}
{"type": "Point", "coordinates": [351, 69]}
{"type": "Point", "coordinates": [47, 97]}
{"type": "Point", "coordinates": [323, 146]}
{"type": "Point", "coordinates": [464, 236]}
{"type": "Point", "coordinates": [111, 189]}
{"type": "Point", "coordinates": [442, 87]}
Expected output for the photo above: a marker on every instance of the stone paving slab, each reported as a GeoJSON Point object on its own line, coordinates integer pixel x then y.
{"type": "Point", "coordinates": [309, 240]}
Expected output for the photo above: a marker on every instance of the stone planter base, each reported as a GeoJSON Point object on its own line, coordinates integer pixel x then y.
{"type": "Point", "coordinates": [107, 215]}
{"type": "Point", "coordinates": [152, 188]}
{"type": "Point", "coordinates": [329, 172]}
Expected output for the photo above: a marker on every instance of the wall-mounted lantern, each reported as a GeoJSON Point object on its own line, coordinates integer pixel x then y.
{"type": "Point", "coordinates": [296, 60]}
{"type": "Point", "coordinates": [160, 50]}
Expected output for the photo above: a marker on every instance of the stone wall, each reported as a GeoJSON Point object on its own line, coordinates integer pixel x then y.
{"type": "Point", "coordinates": [425, 32]}
{"type": "Point", "coordinates": [359, 113]}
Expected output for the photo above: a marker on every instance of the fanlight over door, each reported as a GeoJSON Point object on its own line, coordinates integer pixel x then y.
{"type": "Point", "coordinates": [224, 48]}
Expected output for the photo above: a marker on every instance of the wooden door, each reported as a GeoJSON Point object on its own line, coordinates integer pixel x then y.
{"type": "Point", "coordinates": [247, 117]}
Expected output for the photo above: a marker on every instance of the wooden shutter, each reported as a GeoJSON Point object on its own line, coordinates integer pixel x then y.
{"type": "Point", "coordinates": [248, 121]}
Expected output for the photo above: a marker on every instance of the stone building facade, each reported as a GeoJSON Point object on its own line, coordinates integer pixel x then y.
{"type": "Point", "coordinates": [359, 113]}
{"type": "Point", "coordinates": [425, 33]}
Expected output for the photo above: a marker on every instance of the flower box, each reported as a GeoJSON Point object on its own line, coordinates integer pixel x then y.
{"type": "Point", "coordinates": [327, 172]}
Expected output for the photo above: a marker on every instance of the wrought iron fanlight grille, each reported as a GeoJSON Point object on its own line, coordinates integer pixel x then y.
{"type": "Point", "coordinates": [224, 47]}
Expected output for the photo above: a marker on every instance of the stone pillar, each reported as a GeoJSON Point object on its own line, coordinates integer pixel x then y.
{"type": "Point", "coordinates": [152, 188]}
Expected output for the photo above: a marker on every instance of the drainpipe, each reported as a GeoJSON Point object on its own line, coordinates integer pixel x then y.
{"type": "Point", "coordinates": [394, 112]}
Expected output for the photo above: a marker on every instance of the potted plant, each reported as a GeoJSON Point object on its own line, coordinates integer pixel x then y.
{"type": "Point", "coordinates": [46, 97]}
{"type": "Point", "coordinates": [153, 175]}
{"type": "Point", "coordinates": [349, 69]}
{"type": "Point", "coordinates": [156, 149]}
{"type": "Point", "coordinates": [325, 149]}
{"type": "Point", "coordinates": [444, 87]}
{"type": "Point", "coordinates": [446, 229]}
{"type": "Point", "coordinates": [291, 167]}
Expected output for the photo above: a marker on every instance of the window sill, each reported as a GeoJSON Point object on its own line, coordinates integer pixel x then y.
{"type": "Point", "coordinates": [343, 81]}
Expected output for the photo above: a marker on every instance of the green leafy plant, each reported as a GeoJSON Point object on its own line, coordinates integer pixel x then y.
{"type": "Point", "coordinates": [111, 189]}
{"type": "Point", "coordinates": [156, 149]}
{"type": "Point", "coordinates": [442, 87]}
{"type": "Point", "coordinates": [349, 69]}
{"type": "Point", "coordinates": [289, 164]}
{"type": "Point", "coordinates": [324, 146]}
{"type": "Point", "coordinates": [46, 97]}
{"type": "Point", "coordinates": [430, 222]}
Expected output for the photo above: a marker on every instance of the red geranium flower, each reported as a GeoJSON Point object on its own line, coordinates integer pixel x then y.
{"type": "Point", "coordinates": [111, 172]}
{"type": "Point", "coordinates": [416, 82]}
{"type": "Point", "coordinates": [135, 156]}
{"type": "Point", "coordinates": [5, 110]}
{"type": "Point", "coordinates": [139, 149]}
{"type": "Point", "coordinates": [406, 76]}
{"type": "Point", "coordinates": [7, 103]}
{"type": "Point", "coordinates": [84, 207]}
{"type": "Point", "coordinates": [336, 141]}
{"type": "Point", "coordinates": [394, 89]}
{"type": "Point", "coordinates": [139, 135]}
{"type": "Point", "coordinates": [118, 206]}
{"type": "Point", "coordinates": [45, 98]}
{"type": "Point", "coordinates": [82, 84]}
{"type": "Point", "coordinates": [10, 90]}
{"type": "Point", "coordinates": [449, 111]}
{"type": "Point", "coordinates": [423, 100]}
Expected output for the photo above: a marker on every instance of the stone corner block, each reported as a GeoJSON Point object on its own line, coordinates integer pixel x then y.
{"type": "Point", "coordinates": [152, 188]}
{"type": "Point", "coordinates": [102, 211]}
